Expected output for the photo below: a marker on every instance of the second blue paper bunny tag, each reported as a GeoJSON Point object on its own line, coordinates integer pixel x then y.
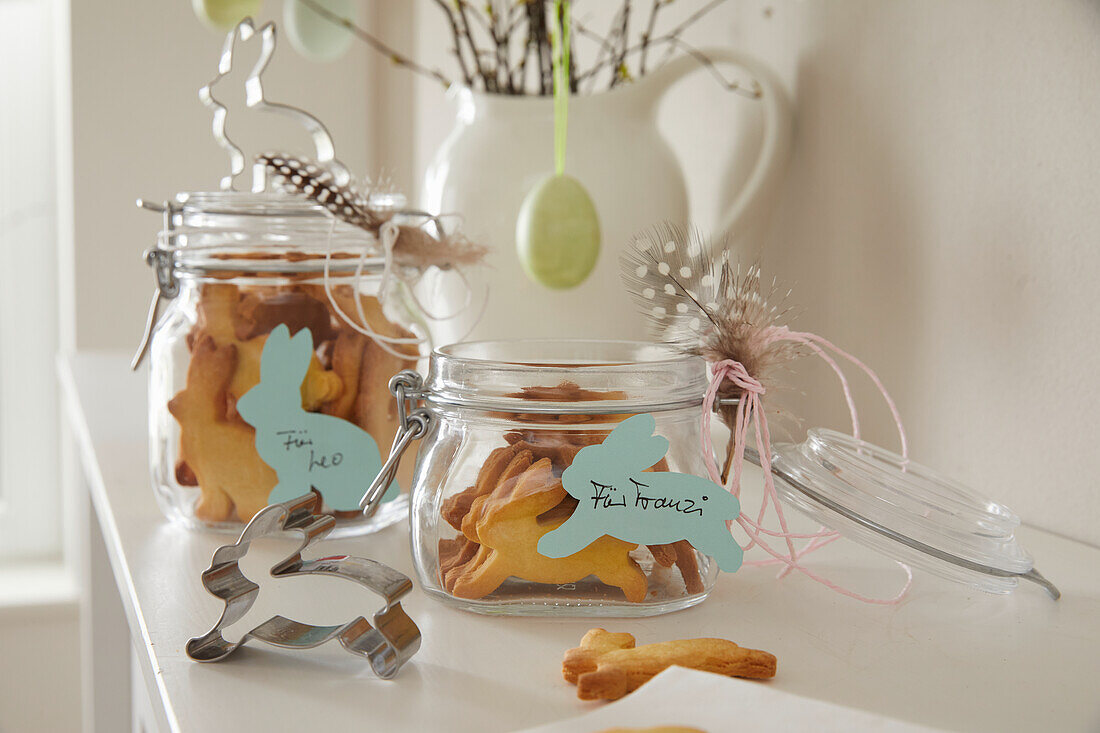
{"type": "Point", "coordinates": [618, 497]}
{"type": "Point", "coordinates": [306, 449]}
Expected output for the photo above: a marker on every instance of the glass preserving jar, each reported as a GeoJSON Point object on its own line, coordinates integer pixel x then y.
{"type": "Point", "coordinates": [504, 420]}
{"type": "Point", "coordinates": [236, 266]}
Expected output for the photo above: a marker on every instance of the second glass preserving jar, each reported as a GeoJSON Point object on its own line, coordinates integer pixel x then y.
{"type": "Point", "coordinates": [505, 420]}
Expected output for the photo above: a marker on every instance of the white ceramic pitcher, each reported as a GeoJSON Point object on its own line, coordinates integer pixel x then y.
{"type": "Point", "coordinates": [501, 146]}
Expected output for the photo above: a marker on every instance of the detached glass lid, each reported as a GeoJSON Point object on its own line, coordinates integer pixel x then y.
{"type": "Point", "coordinates": [903, 510]}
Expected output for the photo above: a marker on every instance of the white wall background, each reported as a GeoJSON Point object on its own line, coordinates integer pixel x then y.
{"type": "Point", "coordinates": [939, 220]}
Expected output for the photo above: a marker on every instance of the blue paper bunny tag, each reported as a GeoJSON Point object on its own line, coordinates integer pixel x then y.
{"type": "Point", "coordinates": [620, 498]}
{"type": "Point", "coordinates": [306, 449]}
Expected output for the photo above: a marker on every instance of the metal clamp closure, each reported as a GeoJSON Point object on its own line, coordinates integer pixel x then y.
{"type": "Point", "coordinates": [412, 421]}
{"type": "Point", "coordinates": [162, 260]}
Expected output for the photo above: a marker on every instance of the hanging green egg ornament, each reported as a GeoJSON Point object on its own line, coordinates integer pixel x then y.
{"type": "Point", "coordinates": [316, 36]}
{"type": "Point", "coordinates": [558, 231]}
{"type": "Point", "coordinates": [224, 15]}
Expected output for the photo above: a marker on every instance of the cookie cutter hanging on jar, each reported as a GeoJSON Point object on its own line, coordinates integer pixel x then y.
{"type": "Point", "coordinates": [387, 643]}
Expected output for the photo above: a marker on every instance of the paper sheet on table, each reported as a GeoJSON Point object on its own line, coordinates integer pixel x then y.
{"type": "Point", "coordinates": [718, 704]}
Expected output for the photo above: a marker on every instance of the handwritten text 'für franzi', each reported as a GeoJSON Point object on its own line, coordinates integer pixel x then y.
{"type": "Point", "coordinates": [606, 496]}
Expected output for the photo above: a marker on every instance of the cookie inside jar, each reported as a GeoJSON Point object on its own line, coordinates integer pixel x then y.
{"type": "Point", "coordinates": [502, 491]}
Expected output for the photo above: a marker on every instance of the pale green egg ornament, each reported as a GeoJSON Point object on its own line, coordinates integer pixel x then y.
{"type": "Point", "coordinates": [225, 14]}
{"type": "Point", "coordinates": [315, 36]}
{"type": "Point", "coordinates": [558, 233]}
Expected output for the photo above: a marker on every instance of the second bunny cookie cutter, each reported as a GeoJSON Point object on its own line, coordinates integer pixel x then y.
{"type": "Point", "coordinates": [388, 641]}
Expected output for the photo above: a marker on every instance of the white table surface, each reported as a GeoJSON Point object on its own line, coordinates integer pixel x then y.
{"type": "Point", "coordinates": [949, 657]}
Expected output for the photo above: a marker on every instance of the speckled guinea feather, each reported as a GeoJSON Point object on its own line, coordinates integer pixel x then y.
{"type": "Point", "coordinates": [355, 205]}
{"type": "Point", "coordinates": [703, 303]}
{"type": "Point", "coordinates": [317, 183]}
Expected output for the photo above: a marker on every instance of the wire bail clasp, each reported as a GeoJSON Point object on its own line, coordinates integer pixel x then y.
{"type": "Point", "coordinates": [407, 388]}
{"type": "Point", "coordinates": [162, 260]}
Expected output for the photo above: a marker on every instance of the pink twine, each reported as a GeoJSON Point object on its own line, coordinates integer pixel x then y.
{"type": "Point", "coordinates": [750, 412]}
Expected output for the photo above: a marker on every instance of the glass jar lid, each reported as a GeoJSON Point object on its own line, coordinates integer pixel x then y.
{"type": "Point", "coordinates": [903, 510]}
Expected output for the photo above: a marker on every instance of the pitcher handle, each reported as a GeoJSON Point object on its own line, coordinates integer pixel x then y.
{"type": "Point", "coordinates": [756, 195]}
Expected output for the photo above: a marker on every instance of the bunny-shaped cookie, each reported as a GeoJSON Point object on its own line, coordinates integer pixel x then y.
{"type": "Point", "coordinates": [619, 498]}
{"type": "Point", "coordinates": [306, 449]}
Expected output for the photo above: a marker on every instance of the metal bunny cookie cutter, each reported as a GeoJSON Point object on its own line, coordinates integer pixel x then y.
{"type": "Point", "coordinates": [255, 98]}
{"type": "Point", "coordinates": [387, 643]}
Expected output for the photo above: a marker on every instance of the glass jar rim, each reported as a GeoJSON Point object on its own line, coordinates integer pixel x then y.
{"type": "Point", "coordinates": [565, 376]}
{"type": "Point", "coordinates": [264, 234]}
{"type": "Point", "coordinates": [264, 204]}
